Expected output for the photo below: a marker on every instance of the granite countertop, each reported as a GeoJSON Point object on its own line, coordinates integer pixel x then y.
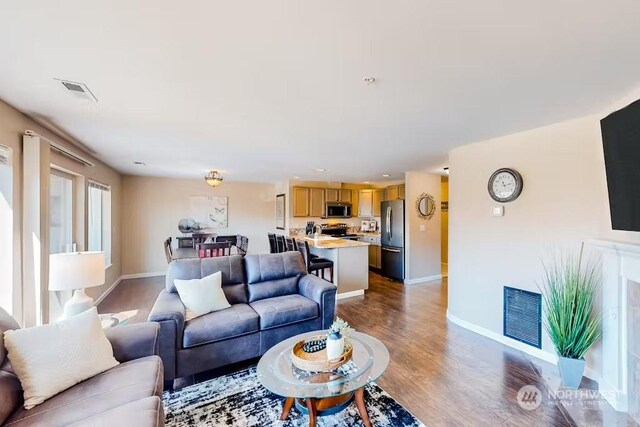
{"type": "Point", "coordinates": [368, 233]}
{"type": "Point", "coordinates": [331, 242]}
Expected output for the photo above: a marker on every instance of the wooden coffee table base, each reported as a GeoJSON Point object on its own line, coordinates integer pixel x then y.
{"type": "Point", "coordinates": [327, 406]}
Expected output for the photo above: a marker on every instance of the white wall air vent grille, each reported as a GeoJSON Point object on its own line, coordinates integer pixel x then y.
{"type": "Point", "coordinates": [79, 89]}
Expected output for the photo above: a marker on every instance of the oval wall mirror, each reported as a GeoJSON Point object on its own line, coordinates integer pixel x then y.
{"type": "Point", "coordinates": [426, 206]}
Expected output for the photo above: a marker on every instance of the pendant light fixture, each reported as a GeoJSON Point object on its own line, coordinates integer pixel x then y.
{"type": "Point", "coordinates": [213, 178]}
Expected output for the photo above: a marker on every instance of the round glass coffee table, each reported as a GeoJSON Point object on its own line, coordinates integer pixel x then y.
{"type": "Point", "coordinates": [323, 393]}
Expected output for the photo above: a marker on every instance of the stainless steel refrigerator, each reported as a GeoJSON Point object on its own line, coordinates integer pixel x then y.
{"type": "Point", "coordinates": [392, 239]}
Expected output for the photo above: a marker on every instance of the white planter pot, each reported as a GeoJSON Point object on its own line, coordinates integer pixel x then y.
{"type": "Point", "coordinates": [335, 346]}
{"type": "Point", "coordinates": [571, 371]}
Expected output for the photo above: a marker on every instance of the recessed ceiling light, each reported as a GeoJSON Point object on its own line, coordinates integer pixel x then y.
{"type": "Point", "coordinates": [367, 182]}
{"type": "Point", "coordinates": [385, 175]}
{"type": "Point", "coordinates": [368, 80]}
{"type": "Point", "coordinates": [139, 163]}
{"type": "Point", "coordinates": [296, 177]}
{"type": "Point", "coordinates": [321, 170]}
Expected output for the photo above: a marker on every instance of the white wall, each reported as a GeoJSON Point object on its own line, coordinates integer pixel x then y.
{"type": "Point", "coordinates": [564, 202]}
{"type": "Point", "coordinates": [422, 248]}
{"type": "Point", "coordinates": [153, 206]}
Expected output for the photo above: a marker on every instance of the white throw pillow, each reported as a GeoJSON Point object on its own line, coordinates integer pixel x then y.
{"type": "Point", "coordinates": [51, 358]}
{"type": "Point", "coordinates": [202, 296]}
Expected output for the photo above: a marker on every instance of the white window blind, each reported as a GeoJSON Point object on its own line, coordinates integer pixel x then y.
{"type": "Point", "coordinates": [7, 289]}
{"type": "Point", "coordinates": [99, 207]}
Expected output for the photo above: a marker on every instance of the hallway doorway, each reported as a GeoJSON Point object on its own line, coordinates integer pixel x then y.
{"type": "Point", "coordinates": [444, 222]}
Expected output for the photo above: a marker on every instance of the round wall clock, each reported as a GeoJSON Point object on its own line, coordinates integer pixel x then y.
{"type": "Point", "coordinates": [505, 185]}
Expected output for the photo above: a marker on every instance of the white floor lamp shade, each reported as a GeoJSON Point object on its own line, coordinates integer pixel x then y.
{"type": "Point", "coordinates": [76, 271]}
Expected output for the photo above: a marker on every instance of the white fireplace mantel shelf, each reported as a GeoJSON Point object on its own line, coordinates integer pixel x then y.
{"type": "Point", "coordinates": [629, 248]}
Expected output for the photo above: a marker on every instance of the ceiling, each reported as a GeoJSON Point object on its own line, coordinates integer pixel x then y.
{"type": "Point", "coordinates": [268, 90]}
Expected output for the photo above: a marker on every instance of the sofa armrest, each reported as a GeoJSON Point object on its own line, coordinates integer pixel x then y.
{"type": "Point", "coordinates": [322, 292]}
{"type": "Point", "coordinates": [169, 312]}
{"type": "Point", "coordinates": [133, 341]}
{"type": "Point", "coordinates": [168, 307]}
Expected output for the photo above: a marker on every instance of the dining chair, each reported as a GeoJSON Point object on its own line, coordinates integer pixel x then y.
{"type": "Point", "coordinates": [290, 244]}
{"type": "Point", "coordinates": [168, 252]}
{"type": "Point", "coordinates": [242, 244]}
{"type": "Point", "coordinates": [273, 248]}
{"type": "Point", "coordinates": [185, 242]}
{"type": "Point", "coordinates": [318, 264]}
{"type": "Point", "coordinates": [199, 238]}
{"type": "Point", "coordinates": [210, 250]}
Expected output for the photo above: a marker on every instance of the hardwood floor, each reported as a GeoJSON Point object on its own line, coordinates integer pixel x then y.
{"type": "Point", "coordinates": [442, 373]}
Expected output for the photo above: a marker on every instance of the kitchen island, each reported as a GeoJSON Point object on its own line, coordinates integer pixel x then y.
{"type": "Point", "coordinates": [350, 262]}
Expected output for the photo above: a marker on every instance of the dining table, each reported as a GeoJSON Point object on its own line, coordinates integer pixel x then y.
{"type": "Point", "coordinates": [184, 253]}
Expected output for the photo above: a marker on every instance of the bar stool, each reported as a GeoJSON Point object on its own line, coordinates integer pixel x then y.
{"type": "Point", "coordinates": [280, 244]}
{"type": "Point", "coordinates": [318, 264]}
{"type": "Point", "coordinates": [290, 244]}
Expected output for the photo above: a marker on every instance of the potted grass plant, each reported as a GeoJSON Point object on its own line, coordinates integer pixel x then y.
{"type": "Point", "coordinates": [569, 289]}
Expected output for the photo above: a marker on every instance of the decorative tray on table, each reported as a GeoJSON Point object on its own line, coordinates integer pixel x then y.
{"type": "Point", "coordinates": [317, 361]}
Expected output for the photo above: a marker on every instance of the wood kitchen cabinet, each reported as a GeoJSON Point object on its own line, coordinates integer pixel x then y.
{"type": "Point", "coordinates": [394, 192]}
{"type": "Point", "coordinates": [345, 196]}
{"type": "Point", "coordinates": [375, 251]}
{"type": "Point", "coordinates": [316, 202]}
{"type": "Point", "coordinates": [391, 193]}
{"type": "Point", "coordinates": [365, 203]}
{"type": "Point", "coordinates": [369, 203]}
{"type": "Point", "coordinates": [373, 256]}
{"type": "Point", "coordinates": [332, 194]}
{"type": "Point", "coordinates": [355, 205]}
{"type": "Point", "coordinates": [377, 196]}
{"type": "Point", "coordinates": [300, 201]}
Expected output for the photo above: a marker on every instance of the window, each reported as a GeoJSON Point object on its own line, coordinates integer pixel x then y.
{"type": "Point", "coordinates": [100, 219]}
{"type": "Point", "coordinates": [6, 231]}
{"type": "Point", "coordinates": [61, 206]}
{"type": "Point", "coordinates": [60, 212]}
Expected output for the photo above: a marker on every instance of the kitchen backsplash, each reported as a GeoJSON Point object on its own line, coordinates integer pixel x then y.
{"type": "Point", "coordinates": [350, 229]}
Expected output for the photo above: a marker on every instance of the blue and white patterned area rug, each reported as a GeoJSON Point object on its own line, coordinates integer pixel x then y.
{"type": "Point", "coordinates": [240, 400]}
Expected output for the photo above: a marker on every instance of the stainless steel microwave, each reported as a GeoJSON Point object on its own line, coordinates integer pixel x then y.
{"type": "Point", "coordinates": [337, 210]}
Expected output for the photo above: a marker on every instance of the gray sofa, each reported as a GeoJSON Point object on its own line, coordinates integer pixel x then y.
{"type": "Point", "coordinates": [272, 298]}
{"type": "Point", "coordinates": [128, 394]}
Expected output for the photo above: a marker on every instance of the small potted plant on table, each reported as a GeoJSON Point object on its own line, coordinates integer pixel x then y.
{"type": "Point", "coordinates": [569, 289]}
{"type": "Point", "coordinates": [336, 335]}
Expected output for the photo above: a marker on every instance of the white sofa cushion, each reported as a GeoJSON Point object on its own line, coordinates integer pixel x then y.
{"type": "Point", "coordinates": [202, 296]}
{"type": "Point", "coordinates": [51, 358]}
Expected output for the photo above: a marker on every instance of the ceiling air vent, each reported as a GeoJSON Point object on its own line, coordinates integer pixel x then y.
{"type": "Point", "coordinates": [78, 89]}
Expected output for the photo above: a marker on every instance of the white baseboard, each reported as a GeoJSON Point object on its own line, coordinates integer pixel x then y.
{"type": "Point", "coordinates": [422, 279]}
{"type": "Point", "coordinates": [531, 351]}
{"type": "Point", "coordinates": [142, 275]}
{"type": "Point", "coordinates": [535, 352]}
{"type": "Point", "coordinates": [350, 294]}
{"type": "Point", "coordinates": [108, 291]}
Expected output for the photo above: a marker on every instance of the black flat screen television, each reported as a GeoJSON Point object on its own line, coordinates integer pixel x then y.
{"type": "Point", "coordinates": [621, 142]}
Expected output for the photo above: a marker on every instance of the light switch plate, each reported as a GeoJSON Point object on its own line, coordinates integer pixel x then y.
{"type": "Point", "coordinates": [497, 211]}
{"type": "Point", "coordinates": [423, 227]}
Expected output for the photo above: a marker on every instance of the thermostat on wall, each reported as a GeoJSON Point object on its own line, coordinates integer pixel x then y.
{"type": "Point", "coordinates": [497, 211]}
